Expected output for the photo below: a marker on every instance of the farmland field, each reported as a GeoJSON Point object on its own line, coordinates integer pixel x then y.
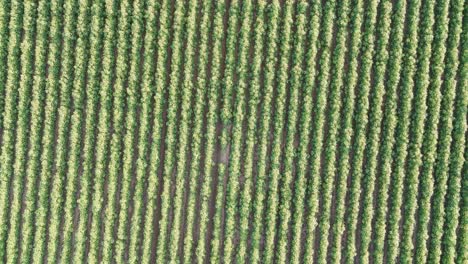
{"type": "Point", "coordinates": [233, 131]}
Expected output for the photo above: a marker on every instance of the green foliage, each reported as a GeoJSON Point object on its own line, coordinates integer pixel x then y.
{"type": "Point", "coordinates": [64, 114]}
{"type": "Point", "coordinates": [50, 119]}
{"type": "Point", "coordinates": [9, 117]}
{"type": "Point", "coordinates": [272, 15]}
{"type": "Point", "coordinates": [232, 189]}
{"type": "Point", "coordinates": [278, 126]}
{"type": "Point", "coordinates": [36, 120]}
{"type": "Point", "coordinates": [23, 88]}
{"type": "Point", "coordinates": [429, 146]}
{"type": "Point", "coordinates": [304, 131]}
{"type": "Point", "coordinates": [170, 140]}
{"type": "Point", "coordinates": [144, 130]}
{"type": "Point", "coordinates": [405, 95]}
{"type": "Point", "coordinates": [334, 107]}
{"type": "Point", "coordinates": [212, 119]}
{"type": "Point", "coordinates": [118, 116]}
{"type": "Point", "coordinates": [103, 126]}
{"type": "Point", "coordinates": [446, 126]}
{"type": "Point", "coordinates": [92, 95]}
{"type": "Point", "coordinates": [233, 131]}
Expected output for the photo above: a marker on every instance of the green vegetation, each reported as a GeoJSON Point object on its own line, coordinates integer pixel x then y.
{"type": "Point", "coordinates": [446, 125]}
{"type": "Point", "coordinates": [22, 87]}
{"type": "Point", "coordinates": [241, 131]}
